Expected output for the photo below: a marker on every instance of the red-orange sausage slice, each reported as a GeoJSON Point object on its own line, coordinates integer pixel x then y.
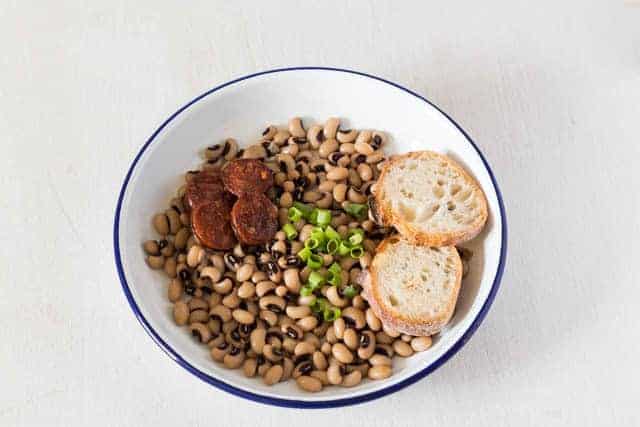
{"type": "Point", "coordinates": [247, 176]}
{"type": "Point", "coordinates": [255, 219]}
{"type": "Point", "coordinates": [204, 187]}
{"type": "Point", "coordinates": [211, 224]}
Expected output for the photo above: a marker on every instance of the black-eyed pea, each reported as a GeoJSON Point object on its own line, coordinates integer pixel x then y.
{"type": "Point", "coordinates": [273, 375]}
{"type": "Point", "coordinates": [198, 304]}
{"type": "Point", "coordinates": [354, 316]}
{"type": "Point", "coordinates": [200, 331]}
{"type": "Point", "coordinates": [263, 366]}
{"type": "Point", "coordinates": [307, 323]}
{"type": "Point", "coordinates": [365, 172]}
{"type": "Point", "coordinates": [315, 136]}
{"type": "Point", "coordinates": [232, 300]}
{"type": "Point", "coordinates": [216, 340]}
{"type": "Point", "coordinates": [250, 367]}
{"type": "Point", "coordinates": [402, 348]}
{"type": "Point", "coordinates": [161, 224]}
{"type": "Point", "coordinates": [259, 276]}
{"type": "Point", "coordinates": [338, 174]}
{"type": "Point", "coordinates": [174, 290]}
{"type": "Point", "coordinates": [292, 331]}
{"type": "Point", "coordinates": [331, 126]}
{"type": "Point", "coordinates": [372, 320]}
{"type": "Point", "coordinates": [151, 247]}
{"type": "Point", "coordinates": [383, 338]}
{"type": "Point", "coordinates": [346, 135]}
{"type": "Point", "coordinates": [234, 358]}
{"type": "Point", "coordinates": [319, 360]}
{"type": "Point", "coordinates": [309, 383]}
{"type": "Point", "coordinates": [339, 327]}
{"type": "Point", "coordinates": [269, 316]}
{"type": "Point", "coordinates": [269, 132]}
{"type": "Point", "coordinates": [421, 343]}
{"type": "Point", "coordinates": [195, 256]}
{"type": "Point", "coordinates": [224, 286]}
{"type": "Point", "coordinates": [359, 302]}
{"type": "Point", "coordinates": [379, 360]}
{"type": "Point", "coordinates": [214, 325]}
{"type": "Point", "coordinates": [173, 218]}
{"type": "Point", "coordinates": [326, 201]}
{"type": "Point", "coordinates": [350, 338]}
{"type": "Point", "coordinates": [257, 340]}
{"type": "Point", "coordinates": [378, 139]}
{"type": "Point", "coordinates": [246, 290]}
{"type": "Point", "coordinates": [272, 303]}
{"type": "Point", "coordinates": [367, 345]}
{"type": "Point", "coordinates": [312, 338]}
{"type": "Point", "coordinates": [363, 148]}
{"type": "Point", "coordinates": [211, 273]}
{"type": "Point", "coordinates": [327, 147]}
{"type": "Point", "coordinates": [181, 313]}
{"type": "Point", "coordinates": [351, 379]}
{"type": "Point", "coordinates": [229, 327]}
{"type": "Point", "coordinates": [170, 265]}
{"type": "Point", "coordinates": [220, 312]}
{"type": "Point", "coordinates": [244, 272]}
{"type": "Point", "coordinates": [272, 352]}
{"type": "Point", "coordinates": [230, 149]}
{"type": "Point", "coordinates": [303, 348]}
{"type": "Point", "coordinates": [379, 372]}
{"type": "Point", "coordinates": [306, 300]}
{"type": "Point", "coordinates": [263, 288]}
{"type": "Point", "coordinates": [325, 186]}
{"type": "Point", "coordinates": [291, 278]}
{"type": "Point", "coordinates": [320, 375]}
{"type": "Point", "coordinates": [369, 245]}
{"type": "Point", "coordinates": [355, 182]}
{"type": "Point", "coordinates": [198, 316]}
{"type": "Point", "coordinates": [289, 345]}
{"type": "Point", "coordinates": [406, 338]}
{"type": "Point", "coordinates": [214, 299]}
{"type": "Point", "coordinates": [325, 348]}
{"type": "Point", "coordinates": [364, 136]}
{"type": "Point", "coordinates": [375, 158]}
{"type": "Point", "coordinates": [287, 368]}
{"type": "Point", "coordinates": [243, 316]}
{"type": "Point", "coordinates": [342, 353]}
{"type": "Point", "coordinates": [384, 349]}
{"type": "Point", "coordinates": [219, 352]}
{"type": "Point", "coordinates": [156, 262]}
{"type": "Point", "coordinates": [334, 375]}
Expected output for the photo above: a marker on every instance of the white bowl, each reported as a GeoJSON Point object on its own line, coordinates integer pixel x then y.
{"type": "Point", "coordinates": [241, 109]}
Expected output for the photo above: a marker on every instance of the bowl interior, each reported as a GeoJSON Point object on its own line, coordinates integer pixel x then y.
{"type": "Point", "coordinates": [241, 110]}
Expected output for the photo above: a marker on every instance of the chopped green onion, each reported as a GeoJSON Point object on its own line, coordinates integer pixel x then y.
{"type": "Point", "coordinates": [334, 279]}
{"type": "Point", "coordinates": [315, 280]}
{"type": "Point", "coordinates": [306, 290]}
{"type": "Point", "coordinates": [356, 252]}
{"type": "Point", "coordinates": [295, 214]}
{"type": "Point", "coordinates": [350, 291]}
{"type": "Point", "coordinates": [305, 209]}
{"type": "Point", "coordinates": [313, 217]}
{"type": "Point", "coordinates": [314, 262]}
{"type": "Point", "coordinates": [331, 233]}
{"type": "Point", "coordinates": [312, 243]}
{"type": "Point", "coordinates": [332, 246]}
{"type": "Point", "coordinates": [323, 217]}
{"type": "Point", "coordinates": [290, 231]}
{"type": "Point", "coordinates": [358, 210]}
{"type": "Point", "coordinates": [319, 305]}
{"type": "Point", "coordinates": [335, 268]}
{"type": "Point", "coordinates": [344, 248]}
{"type": "Point", "coordinates": [331, 314]}
{"type": "Point", "coordinates": [304, 254]}
{"type": "Point", "coordinates": [355, 236]}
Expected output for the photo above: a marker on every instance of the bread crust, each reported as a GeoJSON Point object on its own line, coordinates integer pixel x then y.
{"type": "Point", "coordinates": [398, 322]}
{"type": "Point", "coordinates": [421, 237]}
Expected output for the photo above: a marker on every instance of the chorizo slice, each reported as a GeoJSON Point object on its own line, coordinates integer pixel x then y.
{"type": "Point", "coordinates": [211, 224]}
{"type": "Point", "coordinates": [254, 219]}
{"type": "Point", "coordinates": [204, 187]}
{"type": "Point", "coordinates": [247, 176]}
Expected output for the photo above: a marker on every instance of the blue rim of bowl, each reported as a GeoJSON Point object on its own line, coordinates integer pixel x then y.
{"type": "Point", "coordinates": [292, 403]}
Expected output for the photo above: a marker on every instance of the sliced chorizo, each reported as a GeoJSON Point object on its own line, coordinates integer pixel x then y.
{"type": "Point", "coordinates": [211, 224]}
{"type": "Point", "coordinates": [205, 186]}
{"type": "Point", "coordinates": [247, 176]}
{"type": "Point", "coordinates": [255, 219]}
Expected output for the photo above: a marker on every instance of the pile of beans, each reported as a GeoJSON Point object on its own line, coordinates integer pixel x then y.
{"type": "Point", "coordinates": [245, 303]}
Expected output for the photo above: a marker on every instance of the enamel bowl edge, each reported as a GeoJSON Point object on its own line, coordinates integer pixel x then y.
{"type": "Point", "coordinates": [241, 109]}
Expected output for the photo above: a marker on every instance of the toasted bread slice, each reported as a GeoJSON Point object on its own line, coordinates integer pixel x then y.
{"type": "Point", "coordinates": [430, 199]}
{"type": "Point", "coordinates": [412, 289]}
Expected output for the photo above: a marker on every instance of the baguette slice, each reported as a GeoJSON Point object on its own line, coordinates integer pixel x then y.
{"type": "Point", "coordinates": [429, 199]}
{"type": "Point", "coordinates": [412, 289]}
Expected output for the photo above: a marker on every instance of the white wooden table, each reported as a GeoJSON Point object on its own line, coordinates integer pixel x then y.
{"type": "Point", "coordinates": [549, 90]}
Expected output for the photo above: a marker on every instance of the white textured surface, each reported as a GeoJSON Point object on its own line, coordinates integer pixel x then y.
{"type": "Point", "coordinates": [549, 90]}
